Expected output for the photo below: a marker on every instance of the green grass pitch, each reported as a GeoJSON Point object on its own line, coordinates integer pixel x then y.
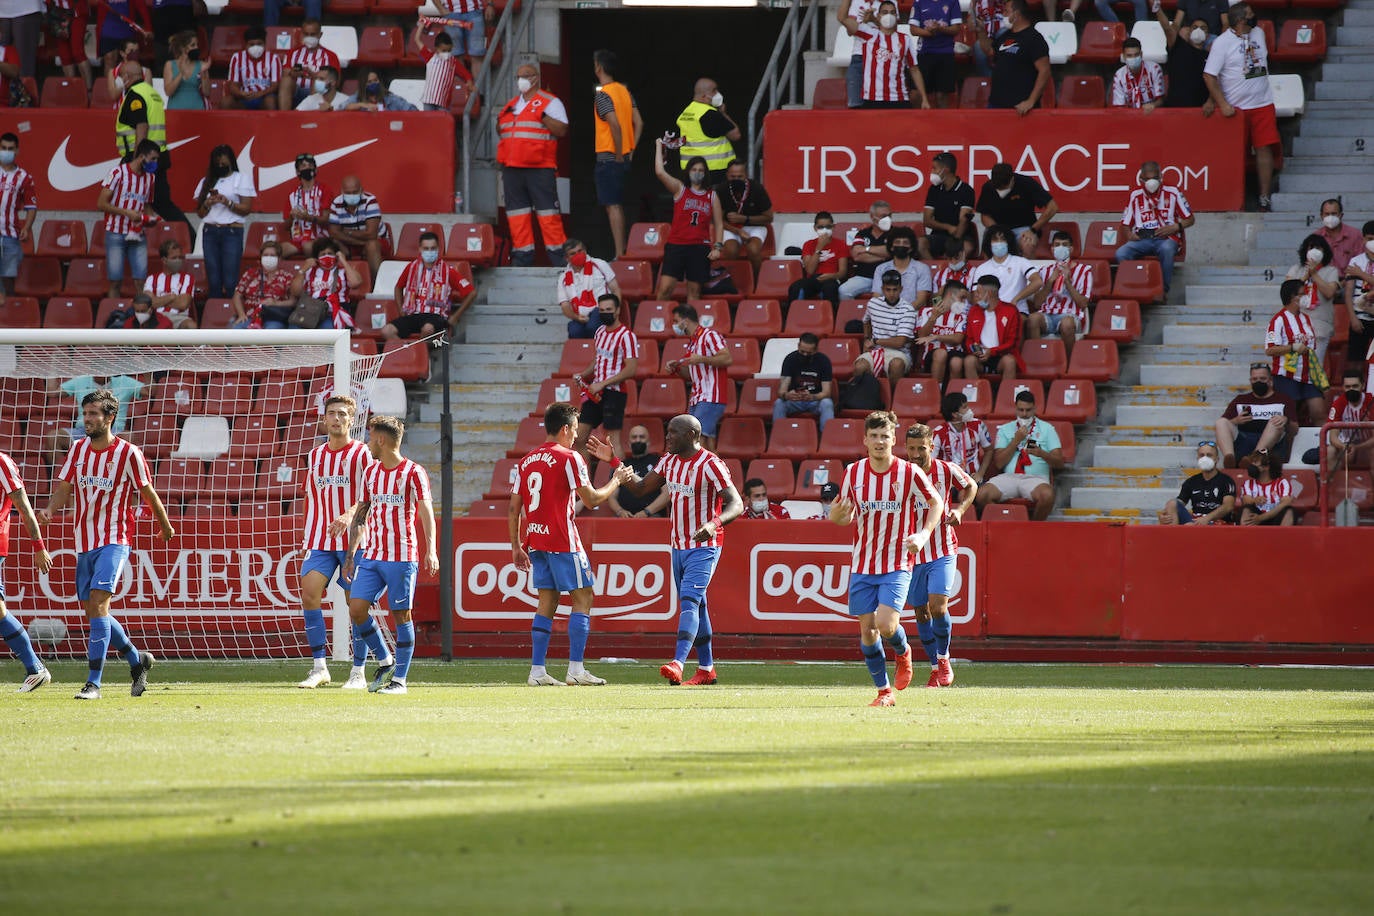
{"type": "Point", "coordinates": [1023, 789]}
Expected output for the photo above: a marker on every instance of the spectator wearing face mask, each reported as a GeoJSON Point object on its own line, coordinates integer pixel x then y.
{"type": "Point", "coordinates": [1017, 279]}
{"type": "Point", "coordinates": [1154, 219]}
{"type": "Point", "coordinates": [224, 198]}
{"type": "Point", "coordinates": [172, 288]}
{"type": "Point", "coordinates": [641, 460]}
{"type": "Point", "coordinates": [614, 362]}
{"type": "Point", "coordinates": [868, 249]}
{"type": "Point", "coordinates": [1187, 41]}
{"type": "Point", "coordinates": [181, 76]}
{"type": "Point", "coordinates": [992, 333]}
{"type": "Point", "coordinates": [1138, 83]}
{"type": "Point", "coordinates": [1260, 418]}
{"type": "Point", "coordinates": [374, 96]}
{"type": "Point", "coordinates": [707, 131]}
{"type": "Point", "coordinates": [757, 504]}
{"type": "Point", "coordinates": [144, 317]}
{"type": "Point", "coordinates": [1345, 240]}
{"type": "Point", "coordinates": [948, 211]}
{"type": "Point", "coordinates": [1266, 496]}
{"type": "Point", "coordinates": [849, 14]}
{"type": "Point", "coordinates": [696, 235]}
{"type": "Point", "coordinates": [956, 267]}
{"type": "Point", "coordinates": [889, 59]}
{"type": "Point", "coordinates": [940, 332]}
{"type": "Point", "coordinates": [824, 260]}
{"type": "Point", "coordinates": [1018, 202]}
{"type": "Point", "coordinates": [307, 209]}
{"type": "Point", "coordinates": [1359, 298]}
{"type": "Point", "coordinates": [1290, 342]}
{"type": "Point", "coordinates": [936, 23]}
{"type": "Point", "coordinates": [889, 328]}
{"type": "Point", "coordinates": [1237, 76]}
{"type": "Point", "coordinates": [302, 63]}
{"type": "Point", "coordinates": [355, 223]}
{"type": "Point", "coordinates": [1350, 448]}
{"type": "Point", "coordinates": [963, 439]}
{"type": "Point", "coordinates": [530, 126]}
{"type": "Point", "coordinates": [917, 283]}
{"type": "Point", "coordinates": [1066, 292]}
{"type": "Point", "coordinates": [263, 298]}
{"type": "Point", "coordinates": [326, 95]}
{"type": "Point", "coordinates": [18, 209]}
{"type": "Point", "coordinates": [329, 276]}
{"type": "Point", "coordinates": [829, 493]}
{"type": "Point", "coordinates": [431, 294]}
{"type": "Point", "coordinates": [806, 383]}
{"type": "Point", "coordinates": [442, 69]}
{"type": "Point", "coordinates": [585, 280]}
{"type": "Point", "coordinates": [1020, 61]}
{"type": "Point", "coordinates": [1206, 498]}
{"type": "Point", "coordinates": [1027, 452]}
{"type": "Point", "coordinates": [748, 212]}
{"type": "Point", "coordinates": [254, 75]}
{"type": "Point", "coordinates": [1320, 283]}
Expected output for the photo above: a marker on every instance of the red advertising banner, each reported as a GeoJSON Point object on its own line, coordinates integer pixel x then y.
{"type": "Point", "coordinates": [844, 160]}
{"type": "Point", "coordinates": [405, 158]}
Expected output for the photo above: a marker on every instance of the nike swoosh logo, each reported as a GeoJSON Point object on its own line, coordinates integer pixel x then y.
{"type": "Point", "coordinates": [270, 176]}
{"type": "Point", "coordinates": [65, 175]}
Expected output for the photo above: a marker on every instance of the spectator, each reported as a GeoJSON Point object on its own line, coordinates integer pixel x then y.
{"type": "Point", "coordinates": [431, 294]}
{"type": "Point", "coordinates": [1208, 498]}
{"type": "Point", "coordinates": [758, 505]}
{"type": "Point", "coordinates": [1027, 453]}
{"type": "Point", "coordinates": [181, 74]}
{"type": "Point", "coordinates": [145, 317]}
{"type": "Point", "coordinates": [355, 222]}
{"type": "Point", "coordinates": [1359, 297]}
{"type": "Point", "coordinates": [141, 117]}
{"type": "Point", "coordinates": [889, 327]}
{"type": "Point", "coordinates": [303, 63]}
{"type": "Point", "coordinates": [622, 502]}
{"type": "Point", "coordinates": [1011, 199]}
{"type": "Point", "coordinates": [18, 208]}
{"type": "Point", "coordinates": [69, 34]}
{"type": "Point", "coordinates": [1021, 67]}
{"type": "Point", "coordinates": [1211, 13]}
{"type": "Point", "coordinates": [585, 280]}
{"type": "Point", "coordinates": [992, 332]}
{"type": "Point", "coordinates": [916, 279]}
{"type": "Point", "coordinates": [1066, 292]}
{"type": "Point", "coordinates": [254, 75]}
{"type": "Point", "coordinates": [850, 14]}
{"type": "Point", "coordinates": [263, 297]}
{"type": "Point", "coordinates": [824, 260]}
{"type": "Point", "coordinates": [956, 266]}
{"type": "Point", "coordinates": [116, 21]}
{"type": "Point", "coordinates": [1017, 279]}
{"type": "Point", "coordinates": [467, 30]}
{"type": "Point", "coordinates": [1266, 496]}
{"type": "Point", "coordinates": [1155, 217]}
{"type": "Point", "coordinates": [21, 25]}
{"type": "Point", "coordinates": [868, 250]}
{"type": "Point", "coordinates": [889, 59]}
{"type": "Point", "coordinates": [948, 211]}
{"type": "Point", "coordinates": [224, 197]}
{"type": "Point", "coordinates": [442, 69]}
{"type": "Point", "coordinates": [936, 23]}
{"type": "Point", "coordinates": [530, 126]}
{"type": "Point", "coordinates": [1320, 283]}
{"type": "Point", "coordinates": [1345, 240]}
{"type": "Point", "coordinates": [1261, 418]}
{"type": "Point", "coordinates": [126, 200]}
{"type": "Point", "coordinates": [806, 383]}
{"type": "Point", "coordinates": [271, 10]}
{"type": "Point", "coordinates": [124, 52]}
{"type": "Point", "coordinates": [172, 288]}
{"type": "Point", "coordinates": [940, 333]}
{"type": "Point", "coordinates": [329, 277]}
{"type": "Point", "coordinates": [963, 438]}
{"type": "Point", "coordinates": [1291, 343]}
{"type": "Point", "coordinates": [748, 212]}
{"type": "Point", "coordinates": [618, 126]}
{"type": "Point", "coordinates": [614, 362]}
{"type": "Point", "coordinates": [704, 366]}
{"type": "Point", "coordinates": [707, 131]}
{"type": "Point", "coordinates": [1138, 83]}
{"type": "Point", "coordinates": [1187, 43]}
{"type": "Point", "coordinates": [374, 96]}
{"type": "Point", "coordinates": [1104, 9]}
{"type": "Point", "coordinates": [1237, 79]}
{"type": "Point", "coordinates": [126, 388]}
{"type": "Point", "coordinates": [307, 209]}
{"type": "Point", "coordinates": [686, 256]}
{"type": "Point", "coordinates": [988, 23]}
{"type": "Point", "coordinates": [863, 391]}
{"type": "Point", "coordinates": [326, 95]}
{"type": "Point", "coordinates": [829, 493]}
{"type": "Point", "coordinates": [1350, 448]}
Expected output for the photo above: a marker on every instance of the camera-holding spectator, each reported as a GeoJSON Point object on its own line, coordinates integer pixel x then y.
{"type": "Point", "coordinates": [181, 76]}
{"type": "Point", "coordinates": [917, 284]}
{"type": "Point", "coordinates": [707, 131]}
{"type": "Point", "coordinates": [1344, 239]}
{"type": "Point", "coordinates": [126, 199]}
{"type": "Point", "coordinates": [1291, 342]}
{"type": "Point", "coordinates": [18, 209]}
{"type": "Point", "coordinates": [614, 363]}
{"type": "Point", "coordinates": [850, 14]}
{"type": "Point", "coordinates": [329, 276]}
{"type": "Point", "coordinates": [748, 212]}
{"type": "Point", "coordinates": [1321, 281]}
{"type": "Point", "coordinates": [325, 95]}
{"type": "Point", "coordinates": [584, 281]}
{"type": "Point", "coordinates": [935, 23]}
{"type": "Point", "coordinates": [696, 232]}
{"type": "Point", "coordinates": [172, 288]}
{"type": "Point", "coordinates": [758, 505]}
{"type": "Point", "coordinates": [373, 95]}
{"type": "Point", "coordinates": [263, 297]}
{"type": "Point", "coordinates": [224, 197]}
{"type": "Point", "coordinates": [889, 58]}
{"type": "Point", "coordinates": [1266, 496]}
{"type": "Point", "coordinates": [1020, 63]}
{"type": "Point", "coordinates": [442, 70]}
{"type": "Point", "coordinates": [254, 75]}
{"type": "Point", "coordinates": [806, 383]}
{"type": "Point", "coordinates": [303, 63]}
{"type": "Point", "coordinates": [1154, 219]}
{"type": "Point", "coordinates": [1027, 453]}
{"type": "Point", "coordinates": [146, 318]}
{"type": "Point", "coordinates": [940, 332]}
{"type": "Point", "coordinates": [355, 223]}
{"type": "Point", "coordinates": [1350, 448]}
{"type": "Point", "coordinates": [824, 261]}
{"type": "Point", "coordinates": [1237, 76]}
{"type": "Point", "coordinates": [889, 327]}
{"type": "Point", "coordinates": [1359, 296]}
{"type": "Point", "coordinates": [307, 209]}
{"type": "Point", "coordinates": [948, 212]}
{"type": "Point", "coordinates": [992, 333]}
{"type": "Point", "coordinates": [868, 250]}
{"type": "Point", "coordinates": [622, 502]}
{"type": "Point", "coordinates": [1138, 83]}
{"type": "Point", "coordinates": [431, 294]}
{"type": "Point", "coordinates": [1208, 498]}
{"type": "Point", "coordinates": [963, 439]}
{"type": "Point", "coordinates": [1065, 294]}
{"type": "Point", "coordinates": [1011, 199]}
{"type": "Point", "coordinates": [1187, 40]}
{"type": "Point", "coordinates": [1261, 418]}
{"type": "Point", "coordinates": [1017, 279]}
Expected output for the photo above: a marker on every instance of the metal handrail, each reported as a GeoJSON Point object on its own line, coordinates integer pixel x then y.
{"type": "Point", "coordinates": [797, 26]}
{"type": "Point", "coordinates": [478, 137]}
{"type": "Point", "coordinates": [1324, 497]}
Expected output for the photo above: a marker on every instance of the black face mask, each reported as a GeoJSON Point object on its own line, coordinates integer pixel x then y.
{"type": "Point", "coordinates": [1254, 471]}
{"type": "Point", "coordinates": [306, 174]}
{"type": "Point", "coordinates": [738, 186]}
{"type": "Point", "coordinates": [1260, 389]}
{"type": "Point", "coordinates": [607, 317]}
{"type": "Point", "coordinates": [1354, 397]}
{"type": "Point", "coordinates": [193, 54]}
{"type": "Point", "coordinates": [901, 253]}
{"type": "Point", "coordinates": [639, 448]}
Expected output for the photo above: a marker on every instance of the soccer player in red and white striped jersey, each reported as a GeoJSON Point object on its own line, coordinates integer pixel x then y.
{"type": "Point", "coordinates": [880, 495]}
{"type": "Point", "coordinates": [1066, 292]}
{"type": "Point", "coordinates": [333, 488]}
{"type": "Point", "coordinates": [933, 579]}
{"type": "Point", "coordinates": [615, 361]}
{"type": "Point", "coordinates": [888, 56]}
{"type": "Point", "coordinates": [105, 472]}
{"type": "Point", "coordinates": [12, 495]}
{"type": "Point", "coordinates": [126, 197]}
{"type": "Point", "coordinates": [544, 540]}
{"type": "Point", "coordinates": [705, 367]}
{"type": "Point", "coordinates": [702, 501]}
{"type": "Point", "coordinates": [395, 491]}
{"type": "Point", "coordinates": [18, 208]}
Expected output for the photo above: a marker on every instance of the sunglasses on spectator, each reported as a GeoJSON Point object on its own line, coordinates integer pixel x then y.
{"type": "Point", "coordinates": [1207, 442]}
{"type": "Point", "coordinates": [1259, 366]}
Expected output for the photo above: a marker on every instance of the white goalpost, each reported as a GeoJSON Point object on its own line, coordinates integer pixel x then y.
{"type": "Point", "coordinates": [226, 420]}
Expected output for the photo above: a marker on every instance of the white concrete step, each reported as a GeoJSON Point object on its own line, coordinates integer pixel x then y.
{"type": "Point", "coordinates": [1324, 182]}
{"type": "Point", "coordinates": [1144, 500]}
{"type": "Point", "coordinates": [1245, 295]}
{"type": "Point", "coordinates": [1228, 376]}
{"type": "Point", "coordinates": [1238, 334]}
{"type": "Point", "coordinates": [503, 332]}
{"type": "Point", "coordinates": [1355, 201]}
{"type": "Point", "coordinates": [1342, 144]}
{"type": "Point", "coordinates": [1356, 16]}
{"type": "Point", "coordinates": [1144, 456]}
{"type": "Point", "coordinates": [1189, 417]}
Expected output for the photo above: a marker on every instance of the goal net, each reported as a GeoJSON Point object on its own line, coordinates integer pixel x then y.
{"type": "Point", "coordinates": [226, 420]}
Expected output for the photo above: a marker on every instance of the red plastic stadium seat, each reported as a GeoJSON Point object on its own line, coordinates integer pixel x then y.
{"type": "Point", "coordinates": [1095, 360]}
{"type": "Point", "coordinates": [1100, 43]}
{"type": "Point", "coordinates": [529, 436]}
{"type": "Point", "coordinates": [916, 398]}
{"type": "Point", "coordinates": [1357, 485]}
{"type": "Point", "coordinates": [778, 476]}
{"type": "Point", "coordinates": [654, 319]}
{"type": "Point", "coordinates": [1304, 485]}
{"type": "Point", "coordinates": [1116, 319]}
{"type": "Point", "coordinates": [63, 92]}
{"type": "Point", "coordinates": [234, 475]}
{"type": "Point", "coordinates": [549, 393]}
{"type": "Point", "coordinates": [280, 37]}
{"type": "Point", "coordinates": [20, 312]}
{"type": "Point", "coordinates": [472, 242]}
{"type": "Point", "coordinates": [86, 278]}
{"type": "Point", "coordinates": [577, 356]}
{"type": "Point", "coordinates": [179, 393]}
{"type": "Point", "coordinates": [1044, 358]}
{"type": "Point", "coordinates": [648, 360]}
{"type": "Point", "coordinates": [393, 7]}
{"type": "Point", "coordinates": [663, 397]}
{"type": "Point", "coordinates": [408, 244]}
{"type": "Point", "coordinates": [1068, 442]}
{"type": "Point", "coordinates": [231, 395]}
{"type": "Point", "coordinates": [489, 508]}
{"type": "Point", "coordinates": [39, 278]}
{"type": "Point", "coordinates": [816, 316]}
{"type": "Point", "coordinates": [259, 233]}
{"type": "Point", "coordinates": [225, 42]}
{"type": "Point", "coordinates": [1139, 280]}
{"type": "Point", "coordinates": [105, 309]}
{"type": "Point", "coordinates": [742, 275]}
{"type": "Point", "coordinates": [979, 394]}
{"type": "Point", "coordinates": [253, 437]}
{"type": "Point", "coordinates": [639, 248]}
{"type": "Point", "coordinates": [713, 314]}
{"type": "Point", "coordinates": [850, 310]}
{"type": "Point", "coordinates": [68, 313]}
{"type": "Point", "coordinates": [458, 98]}
{"type": "Point", "coordinates": [281, 478]}
{"type": "Point", "coordinates": [974, 92]}
{"type": "Point", "coordinates": [62, 238]}
{"type": "Point", "coordinates": [279, 397]}
{"type": "Point", "coordinates": [758, 318]}
{"type": "Point", "coordinates": [1005, 403]}
{"type": "Point", "coordinates": [747, 359]}
{"type": "Point", "coordinates": [502, 476]}
{"type": "Point", "coordinates": [794, 438]}
{"type": "Point", "coordinates": [1301, 41]}
{"type": "Point", "coordinates": [830, 95]}
{"type": "Point", "coordinates": [841, 351]}
{"type": "Point", "coordinates": [809, 481]}
{"type": "Point", "coordinates": [363, 346]}
{"type": "Point", "coordinates": [1102, 240]}
{"type": "Point", "coordinates": [380, 46]}
{"type": "Point", "coordinates": [180, 477]}
{"type": "Point", "coordinates": [155, 434]}
{"type": "Point", "coordinates": [842, 439]}
{"type": "Point", "coordinates": [741, 437]}
{"type": "Point", "coordinates": [1082, 92]}
{"type": "Point", "coordinates": [405, 360]}
{"type": "Point", "coordinates": [367, 325]}
{"type": "Point", "coordinates": [1005, 512]}
{"type": "Point", "coordinates": [1074, 400]}
{"type": "Point", "coordinates": [776, 277]}
{"type": "Point", "coordinates": [756, 398]}
{"type": "Point", "coordinates": [162, 231]}
{"type": "Point", "coordinates": [636, 279]}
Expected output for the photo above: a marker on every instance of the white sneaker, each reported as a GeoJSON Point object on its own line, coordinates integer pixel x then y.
{"type": "Point", "coordinates": [584, 678]}
{"type": "Point", "coordinates": [34, 681]}
{"type": "Point", "coordinates": [393, 686]}
{"type": "Point", "coordinates": [543, 680]}
{"type": "Point", "coordinates": [316, 678]}
{"type": "Point", "coordinates": [356, 681]}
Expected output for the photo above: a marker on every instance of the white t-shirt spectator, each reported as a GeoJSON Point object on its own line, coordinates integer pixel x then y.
{"type": "Point", "coordinates": [1231, 58]}
{"type": "Point", "coordinates": [235, 186]}
{"type": "Point", "coordinates": [316, 102]}
{"type": "Point", "coordinates": [582, 285]}
{"type": "Point", "coordinates": [1013, 272]}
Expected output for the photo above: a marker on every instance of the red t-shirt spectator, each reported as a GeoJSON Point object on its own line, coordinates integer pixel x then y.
{"type": "Point", "coordinates": [835, 248]}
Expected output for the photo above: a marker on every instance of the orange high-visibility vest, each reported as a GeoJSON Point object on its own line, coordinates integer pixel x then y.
{"type": "Point", "coordinates": [624, 113]}
{"type": "Point", "coordinates": [524, 140]}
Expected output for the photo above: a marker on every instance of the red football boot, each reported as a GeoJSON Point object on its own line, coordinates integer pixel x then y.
{"type": "Point", "coordinates": [946, 673]}
{"type": "Point", "coordinates": [673, 672]}
{"type": "Point", "coordinates": [884, 698]}
{"type": "Point", "coordinates": [704, 677]}
{"type": "Point", "coordinates": [934, 678]}
{"type": "Point", "coordinates": [903, 680]}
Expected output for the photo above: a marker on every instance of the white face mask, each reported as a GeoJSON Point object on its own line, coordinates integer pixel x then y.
{"type": "Point", "coordinates": [1003, 192]}
{"type": "Point", "coordinates": [143, 317]}
{"type": "Point", "coordinates": [885, 224]}
{"type": "Point", "coordinates": [1062, 252]}
{"type": "Point", "coordinates": [1023, 422]}
{"type": "Point", "coordinates": [1134, 63]}
{"type": "Point", "coordinates": [998, 249]}
{"type": "Point", "coordinates": [1314, 256]}
{"type": "Point", "coordinates": [1198, 36]}
{"type": "Point", "coordinates": [119, 84]}
{"type": "Point", "coordinates": [311, 41]}
{"type": "Point", "coordinates": [967, 415]}
{"type": "Point", "coordinates": [523, 84]}
{"type": "Point", "coordinates": [887, 21]}
{"type": "Point", "coordinates": [758, 505]}
{"type": "Point", "coordinates": [1207, 463]}
{"type": "Point", "coordinates": [1331, 221]}
{"type": "Point", "coordinates": [717, 100]}
{"type": "Point", "coordinates": [824, 232]}
{"type": "Point", "coordinates": [1369, 246]}
{"type": "Point", "coordinates": [936, 178]}
{"type": "Point", "coordinates": [256, 51]}
{"type": "Point", "coordinates": [1152, 185]}
{"type": "Point", "coordinates": [270, 262]}
{"type": "Point", "coordinates": [321, 86]}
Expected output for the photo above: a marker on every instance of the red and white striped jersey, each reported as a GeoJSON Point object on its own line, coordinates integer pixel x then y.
{"type": "Point", "coordinates": [16, 195]}
{"type": "Point", "coordinates": [1285, 329]}
{"type": "Point", "coordinates": [947, 478]}
{"type": "Point", "coordinates": [460, 6]}
{"type": "Point", "coordinates": [944, 273]}
{"type": "Point", "coordinates": [546, 480]}
{"type": "Point", "coordinates": [1146, 211]}
{"type": "Point", "coordinates": [613, 347]}
{"type": "Point", "coordinates": [331, 285]}
{"type": "Point", "coordinates": [886, 59]}
{"type": "Point", "coordinates": [708, 382]}
{"type": "Point", "coordinates": [10, 481]}
{"type": "Point", "coordinates": [105, 481]}
{"type": "Point", "coordinates": [333, 486]}
{"type": "Point", "coordinates": [694, 487]}
{"type": "Point", "coordinates": [393, 496]}
{"type": "Point", "coordinates": [427, 290]}
{"type": "Point", "coordinates": [254, 75]}
{"type": "Point", "coordinates": [311, 59]}
{"type": "Point", "coordinates": [1266, 495]}
{"type": "Point", "coordinates": [165, 284]}
{"type": "Point", "coordinates": [990, 16]}
{"type": "Point", "coordinates": [129, 190]}
{"type": "Point", "coordinates": [964, 447]}
{"type": "Point", "coordinates": [315, 201]}
{"type": "Point", "coordinates": [885, 507]}
{"type": "Point", "coordinates": [1135, 90]}
{"type": "Point", "coordinates": [1057, 299]}
{"type": "Point", "coordinates": [1343, 412]}
{"type": "Point", "coordinates": [951, 322]}
{"type": "Point", "coordinates": [440, 74]}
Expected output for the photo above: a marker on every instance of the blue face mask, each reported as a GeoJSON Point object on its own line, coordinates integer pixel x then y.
{"type": "Point", "coordinates": [998, 249]}
{"type": "Point", "coordinates": [429, 255]}
{"type": "Point", "coordinates": [7, 156]}
{"type": "Point", "coordinates": [353, 200]}
{"type": "Point", "coordinates": [150, 167]}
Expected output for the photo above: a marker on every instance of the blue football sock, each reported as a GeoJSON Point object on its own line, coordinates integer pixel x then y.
{"type": "Point", "coordinates": [926, 630]}
{"type": "Point", "coordinates": [579, 627]}
{"type": "Point", "coordinates": [541, 631]}
{"type": "Point", "coordinates": [315, 633]}
{"type": "Point", "coordinates": [876, 660]}
{"type": "Point", "coordinates": [97, 647]}
{"type": "Point", "coordinates": [940, 622]}
{"type": "Point", "coordinates": [898, 641]}
{"type": "Point", "coordinates": [686, 631]}
{"type": "Point", "coordinates": [119, 641]}
{"type": "Point", "coordinates": [405, 648]}
{"type": "Point", "coordinates": [703, 641]}
{"type": "Point", "coordinates": [372, 637]}
{"type": "Point", "coordinates": [19, 643]}
{"type": "Point", "coordinates": [359, 649]}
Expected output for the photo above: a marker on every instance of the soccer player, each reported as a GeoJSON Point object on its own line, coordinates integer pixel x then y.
{"type": "Point", "coordinates": [333, 489]}
{"type": "Point", "coordinates": [703, 501]}
{"type": "Point", "coordinates": [932, 580]}
{"type": "Point", "coordinates": [105, 471]}
{"type": "Point", "coordinates": [394, 490]}
{"type": "Point", "coordinates": [882, 495]}
{"type": "Point", "coordinates": [546, 541]}
{"type": "Point", "coordinates": [12, 493]}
